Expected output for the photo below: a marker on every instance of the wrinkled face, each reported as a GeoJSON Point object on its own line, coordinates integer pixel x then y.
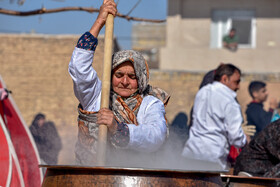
{"type": "Point", "coordinates": [124, 80]}
{"type": "Point", "coordinates": [260, 95]}
{"type": "Point", "coordinates": [233, 81]}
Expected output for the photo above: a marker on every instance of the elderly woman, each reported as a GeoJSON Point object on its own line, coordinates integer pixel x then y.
{"type": "Point", "coordinates": [136, 118]}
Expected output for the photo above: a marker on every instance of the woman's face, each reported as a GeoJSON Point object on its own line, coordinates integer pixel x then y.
{"type": "Point", "coordinates": [41, 122]}
{"type": "Point", "coordinates": [124, 80]}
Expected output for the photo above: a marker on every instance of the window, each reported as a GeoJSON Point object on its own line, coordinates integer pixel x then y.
{"type": "Point", "coordinates": [242, 20]}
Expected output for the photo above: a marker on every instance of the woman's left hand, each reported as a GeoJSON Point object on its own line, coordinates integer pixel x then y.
{"type": "Point", "coordinates": [108, 7]}
{"type": "Point", "coordinates": [106, 117]}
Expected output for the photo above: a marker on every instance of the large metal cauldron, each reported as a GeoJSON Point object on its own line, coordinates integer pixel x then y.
{"type": "Point", "coordinates": [58, 176]}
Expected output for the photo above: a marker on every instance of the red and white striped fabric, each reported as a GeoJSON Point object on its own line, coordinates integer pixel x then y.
{"type": "Point", "coordinates": [25, 151]}
{"type": "Point", "coordinates": [10, 174]}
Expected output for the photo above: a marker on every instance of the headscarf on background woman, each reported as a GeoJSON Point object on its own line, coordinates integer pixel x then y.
{"type": "Point", "coordinates": [46, 138]}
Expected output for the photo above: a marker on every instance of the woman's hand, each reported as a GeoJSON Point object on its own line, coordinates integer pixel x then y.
{"type": "Point", "coordinates": [273, 103]}
{"type": "Point", "coordinates": [106, 117]}
{"type": "Point", "coordinates": [108, 7]}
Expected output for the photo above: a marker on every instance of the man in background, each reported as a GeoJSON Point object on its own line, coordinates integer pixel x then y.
{"type": "Point", "coordinates": [230, 41]}
{"type": "Point", "coordinates": [217, 119]}
{"type": "Point", "coordinates": [256, 115]}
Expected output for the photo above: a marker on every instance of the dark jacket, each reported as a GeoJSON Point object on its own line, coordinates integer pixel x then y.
{"type": "Point", "coordinates": [47, 141]}
{"type": "Point", "coordinates": [257, 116]}
{"type": "Point", "coordinates": [261, 157]}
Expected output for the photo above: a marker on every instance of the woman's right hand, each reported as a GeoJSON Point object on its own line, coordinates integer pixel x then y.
{"type": "Point", "coordinates": [106, 117]}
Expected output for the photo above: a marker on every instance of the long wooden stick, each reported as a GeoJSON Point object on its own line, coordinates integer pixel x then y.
{"type": "Point", "coordinates": [106, 86]}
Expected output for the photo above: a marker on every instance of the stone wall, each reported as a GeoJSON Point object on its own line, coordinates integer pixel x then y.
{"type": "Point", "coordinates": [35, 68]}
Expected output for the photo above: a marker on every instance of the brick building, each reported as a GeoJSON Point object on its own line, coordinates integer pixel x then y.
{"type": "Point", "coordinates": [195, 28]}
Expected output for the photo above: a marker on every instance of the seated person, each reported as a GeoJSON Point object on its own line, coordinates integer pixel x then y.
{"type": "Point", "coordinates": [261, 157]}
{"type": "Point", "coordinates": [230, 41]}
{"type": "Point", "coordinates": [255, 113]}
{"type": "Point", "coordinates": [136, 116]}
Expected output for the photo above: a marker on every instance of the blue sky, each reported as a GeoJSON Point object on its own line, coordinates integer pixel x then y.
{"type": "Point", "coordinates": [77, 22]}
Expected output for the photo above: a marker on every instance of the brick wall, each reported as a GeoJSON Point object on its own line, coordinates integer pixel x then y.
{"type": "Point", "coordinates": [35, 68]}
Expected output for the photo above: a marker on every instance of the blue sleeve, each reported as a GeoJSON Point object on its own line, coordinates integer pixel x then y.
{"type": "Point", "coordinates": [87, 41]}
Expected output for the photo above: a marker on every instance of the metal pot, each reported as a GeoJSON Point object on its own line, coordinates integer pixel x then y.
{"type": "Point", "coordinates": [57, 176]}
{"type": "Point", "coordinates": [245, 181]}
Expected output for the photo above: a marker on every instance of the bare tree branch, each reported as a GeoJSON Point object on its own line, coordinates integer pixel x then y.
{"type": "Point", "coordinates": [133, 7]}
{"type": "Point", "coordinates": [63, 9]}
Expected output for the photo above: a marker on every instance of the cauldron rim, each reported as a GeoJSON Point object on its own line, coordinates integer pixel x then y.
{"type": "Point", "coordinates": [96, 168]}
{"type": "Point", "coordinates": [236, 177]}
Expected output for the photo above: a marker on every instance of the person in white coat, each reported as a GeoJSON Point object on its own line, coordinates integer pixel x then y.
{"type": "Point", "coordinates": [217, 119]}
{"type": "Point", "coordinates": [136, 116]}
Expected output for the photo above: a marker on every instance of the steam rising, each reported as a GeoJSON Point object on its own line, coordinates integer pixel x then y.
{"type": "Point", "coordinates": [168, 157]}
